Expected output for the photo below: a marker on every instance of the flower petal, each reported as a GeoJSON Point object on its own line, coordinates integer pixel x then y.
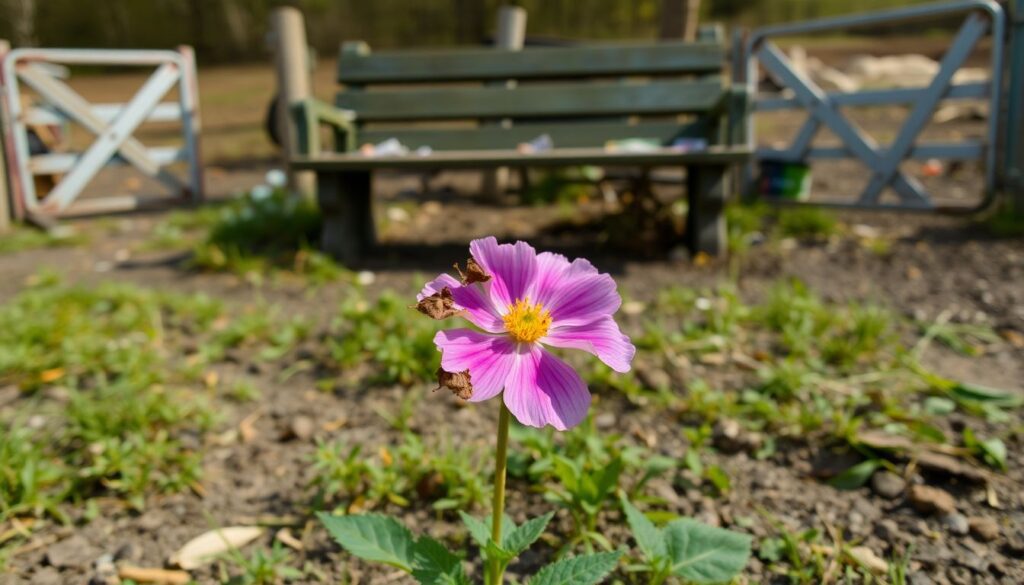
{"type": "Point", "coordinates": [512, 268]}
{"type": "Point", "coordinates": [480, 311]}
{"type": "Point", "coordinates": [544, 390]}
{"type": "Point", "coordinates": [582, 299]}
{"type": "Point", "coordinates": [489, 359]}
{"type": "Point", "coordinates": [552, 272]}
{"type": "Point", "coordinates": [435, 286]}
{"type": "Point", "coordinates": [601, 338]}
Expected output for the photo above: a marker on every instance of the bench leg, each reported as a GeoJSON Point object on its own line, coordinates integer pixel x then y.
{"type": "Point", "coordinates": [344, 200]}
{"type": "Point", "coordinates": [707, 186]}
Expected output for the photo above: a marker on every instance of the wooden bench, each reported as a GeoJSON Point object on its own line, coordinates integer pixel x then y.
{"type": "Point", "coordinates": [582, 97]}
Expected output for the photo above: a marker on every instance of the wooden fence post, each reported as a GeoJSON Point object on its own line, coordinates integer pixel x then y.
{"type": "Point", "coordinates": [1013, 173]}
{"type": "Point", "coordinates": [5, 203]}
{"type": "Point", "coordinates": [510, 36]}
{"type": "Point", "coordinates": [291, 58]}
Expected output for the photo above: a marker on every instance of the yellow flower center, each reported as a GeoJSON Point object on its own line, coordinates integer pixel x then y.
{"type": "Point", "coordinates": [527, 322]}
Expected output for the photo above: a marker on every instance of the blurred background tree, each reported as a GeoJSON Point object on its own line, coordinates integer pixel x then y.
{"type": "Point", "coordinates": [234, 30]}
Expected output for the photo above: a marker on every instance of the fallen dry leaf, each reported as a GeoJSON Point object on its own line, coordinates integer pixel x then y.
{"type": "Point", "coordinates": [148, 575]}
{"type": "Point", "coordinates": [203, 548]}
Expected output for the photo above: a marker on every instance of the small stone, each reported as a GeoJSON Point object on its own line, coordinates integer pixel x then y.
{"type": "Point", "coordinates": [983, 528]}
{"type": "Point", "coordinates": [930, 500]}
{"type": "Point", "coordinates": [919, 578]}
{"type": "Point", "coordinates": [887, 484]}
{"type": "Point", "coordinates": [74, 552]}
{"type": "Point", "coordinates": [302, 428]}
{"type": "Point", "coordinates": [956, 523]}
{"type": "Point", "coordinates": [605, 420]}
{"type": "Point", "coordinates": [730, 437]}
{"type": "Point", "coordinates": [889, 532]}
{"type": "Point", "coordinates": [127, 552]}
{"type": "Point", "coordinates": [47, 576]}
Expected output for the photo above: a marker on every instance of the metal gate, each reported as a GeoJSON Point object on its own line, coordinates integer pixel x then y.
{"type": "Point", "coordinates": [980, 18]}
{"type": "Point", "coordinates": [112, 124]}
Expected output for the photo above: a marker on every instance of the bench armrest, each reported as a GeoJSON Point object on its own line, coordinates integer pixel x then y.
{"type": "Point", "coordinates": [309, 114]}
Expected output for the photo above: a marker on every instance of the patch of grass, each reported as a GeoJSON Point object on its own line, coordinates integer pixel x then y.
{"type": "Point", "coordinates": [805, 222]}
{"type": "Point", "coordinates": [105, 409]}
{"type": "Point", "coordinates": [393, 338]}
{"type": "Point", "coordinates": [26, 238]}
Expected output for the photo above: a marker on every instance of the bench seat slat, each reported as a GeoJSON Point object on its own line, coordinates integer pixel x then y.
{"type": "Point", "coordinates": [531, 63]}
{"type": "Point", "coordinates": [512, 158]}
{"type": "Point", "coordinates": [578, 135]}
{"type": "Point", "coordinates": [552, 100]}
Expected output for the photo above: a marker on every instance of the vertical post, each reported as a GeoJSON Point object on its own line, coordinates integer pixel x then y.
{"type": "Point", "coordinates": [5, 204]}
{"type": "Point", "coordinates": [188, 94]}
{"type": "Point", "coordinates": [679, 20]}
{"type": "Point", "coordinates": [1013, 175]}
{"type": "Point", "coordinates": [510, 36]}
{"type": "Point", "coordinates": [291, 58]}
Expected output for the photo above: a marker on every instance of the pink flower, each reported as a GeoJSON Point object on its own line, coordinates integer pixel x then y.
{"type": "Point", "coordinates": [525, 302]}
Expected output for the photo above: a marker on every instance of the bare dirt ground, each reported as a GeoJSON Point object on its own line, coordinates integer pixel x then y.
{"type": "Point", "coordinates": [931, 266]}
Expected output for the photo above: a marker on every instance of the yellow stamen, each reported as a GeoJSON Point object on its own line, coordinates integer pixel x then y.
{"type": "Point", "coordinates": [527, 322]}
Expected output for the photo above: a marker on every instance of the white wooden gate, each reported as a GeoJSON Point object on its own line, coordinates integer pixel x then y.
{"type": "Point", "coordinates": [112, 124]}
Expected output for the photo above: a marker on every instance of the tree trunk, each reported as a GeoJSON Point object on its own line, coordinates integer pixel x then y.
{"type": "Point", "coordinates": [679, 19]}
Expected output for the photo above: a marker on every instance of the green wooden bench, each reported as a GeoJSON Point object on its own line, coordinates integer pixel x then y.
{"type": "Point", "coordinates": [582, 97]}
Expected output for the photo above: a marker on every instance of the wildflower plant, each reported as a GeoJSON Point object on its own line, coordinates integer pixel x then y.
{"type": "Point", "coordinates": [522, 304]}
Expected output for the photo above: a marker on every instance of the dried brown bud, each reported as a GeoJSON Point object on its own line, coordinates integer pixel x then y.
{"type": "Point", "coordinates": [457, 382]}
{"type": "Point", "coordinates": [474, 273]}
{"type": "Point", "coordinates": [439, 305]}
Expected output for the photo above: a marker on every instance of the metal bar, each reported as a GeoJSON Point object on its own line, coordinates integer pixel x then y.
{"type": "Point", "coordinates": [54, 163]}
{"type": "Point", "coordinates": [878, 97]}
{"type": "Point", "coordinates": [870, 19]}
{"type": "Point", "coordinates": [94, 56]}
{"type": "Point", "coordinates": [48, 115]}
{"type": "Point", "coordinates": [816, 102]}
{"type": "Point", "coordinates": [804, 137]}
{"type": "Point", "coordinates": [79, 109]}
{"type": "Point", "coordinates": [188, 96]}
{"type": "Point", "coordinates": [109, 142]}
{"type": "Point", "coordinates": [970, 33]}
{"type": "Point", "coordinates": [958, 151]}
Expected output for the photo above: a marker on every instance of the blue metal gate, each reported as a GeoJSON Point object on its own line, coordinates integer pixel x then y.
{"type": "Point", "coordinates": [980, 18]}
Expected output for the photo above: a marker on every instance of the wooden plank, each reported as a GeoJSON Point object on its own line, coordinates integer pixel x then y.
{"type": "Point", "coordinates": [551, 100]}
{"type": "Point", "coordinates": [532, 63]}
{"type": "Point", "coordinates": [580, 135]}
{"type": "Point", "coordinates": [107, 113]}
{"type": "Point", "coordinates": [512, 158]}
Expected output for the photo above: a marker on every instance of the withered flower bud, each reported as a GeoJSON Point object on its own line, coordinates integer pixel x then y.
{"type": "Point", "coordinates": [457, 382]}
{"type": "Point", "coordinates": [439, 305]}
{"type": "Point", "coordinates": [474, 273]}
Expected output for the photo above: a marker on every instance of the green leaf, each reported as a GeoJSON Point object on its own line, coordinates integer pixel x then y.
{"type": "Point", "coordinates": [705, 554]}
{"type": "Point", "coordinates": [650, 540]}
{"type": "Point", "coordinates": [372, 537]}
{"type": "Point", "coordinates": [994, 452]}
{"type": "Point", "coordinates": [979, 393]}
{"type": "Point", "coordinates": [856, 476]}
{"type": "Point", "coordinates": [939, 406]}
{"type": "Point", "coordinates": [480, 531]}
{"type": "Point", "coordinates": [718, 478]}
{"type": "Point", "coordinates": [521, 537]}
{"type": "Point", "coordinates": [436, 565]}
{"type": "Point", "coordinates": [581, 570]}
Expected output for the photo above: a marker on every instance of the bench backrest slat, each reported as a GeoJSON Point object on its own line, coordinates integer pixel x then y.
{"type": "Point", "coordinates": [549, 100]}
{"type": "Point", "coordinates": [365, 67]}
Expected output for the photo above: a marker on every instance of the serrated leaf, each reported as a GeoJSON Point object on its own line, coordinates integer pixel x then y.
{"type": "Point", "coordinates": [436, 565]}
{"type": "Point", "coordinates": [855, 476]}
{"type": "Point", "coordinates": [581, 570]}
{"type": "Point", "coordinates": [372, 537]}
{"type": "Point", "coordinates": [705, 554]}
{"type": "Point", "coordinates": [650, 540]}
{"type": "Point", "coordinates": [520, 538]}
{"type": "Point", "coordinates": [480, 531]}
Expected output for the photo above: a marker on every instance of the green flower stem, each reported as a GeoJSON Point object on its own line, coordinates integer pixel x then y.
{"type": "Point", "coordinates": [497, 572]}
